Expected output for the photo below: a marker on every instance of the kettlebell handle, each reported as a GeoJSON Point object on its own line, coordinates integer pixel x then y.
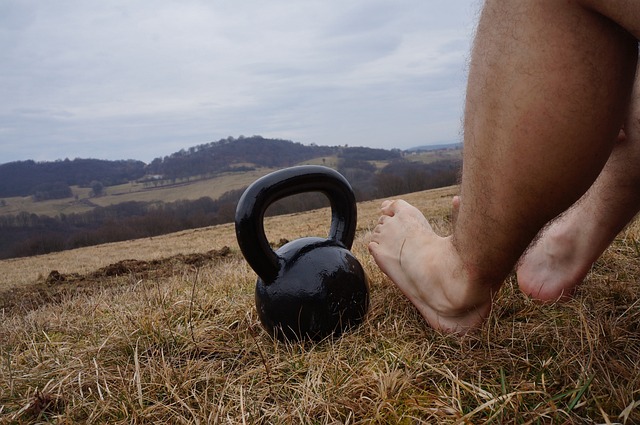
{"type": "Point", "coordinates": [280, 184]}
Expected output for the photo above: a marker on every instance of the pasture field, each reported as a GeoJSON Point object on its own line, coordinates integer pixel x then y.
{"type": "Point", "coordinates": [196, 188]}
{"type": "Point", "coordinates": [428, 157]}
{"type": "Point", "coordinates": [133, 191]}
{"type": "Point", "coordinates": [212, 187]}
{"type": "Point", "coordinates": [164, 330]}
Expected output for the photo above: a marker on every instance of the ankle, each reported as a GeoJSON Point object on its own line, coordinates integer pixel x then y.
{"type": "Point", "coordinates": [567, 242]}
{"type": "Point", "coordinates": [460, 303]}
{"type": "Point", "coordinates": [470, 285]}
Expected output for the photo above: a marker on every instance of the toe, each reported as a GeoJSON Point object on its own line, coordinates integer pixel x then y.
{"type": "Point", "coordinates": [373, 248]}
{"type": "Point", "coordinates": [387, 208]}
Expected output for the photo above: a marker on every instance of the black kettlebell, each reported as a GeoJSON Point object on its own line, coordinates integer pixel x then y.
{"type": "Point", "coordinates": [312, 287]}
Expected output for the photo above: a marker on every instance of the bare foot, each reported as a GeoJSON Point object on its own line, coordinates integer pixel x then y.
{"type": "Point", "coordinates": [557, 263]}
{"type": "Point", "coordinates": [427, 269]}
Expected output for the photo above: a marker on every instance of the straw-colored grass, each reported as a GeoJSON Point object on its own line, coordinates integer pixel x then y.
{"type": "Point", "coordinates": [177, 340]}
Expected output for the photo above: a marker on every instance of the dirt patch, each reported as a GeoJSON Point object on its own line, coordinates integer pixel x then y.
{"type": "Point", "coordinates": [58, 286]}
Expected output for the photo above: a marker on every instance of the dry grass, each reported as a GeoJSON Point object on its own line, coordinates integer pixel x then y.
{"type": "Point", "coordinates": [178, 341]}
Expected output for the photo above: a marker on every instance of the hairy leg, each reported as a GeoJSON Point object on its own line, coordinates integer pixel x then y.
{"type": "Point", "coordinates": [549, 84]}
{"type": "Point", "coordinates": [564, 253]}
{"type": "Point", "coordinates": [545, 100]}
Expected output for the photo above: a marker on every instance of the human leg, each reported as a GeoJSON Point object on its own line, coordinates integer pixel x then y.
{"type": "Point", "coordinates": [562, 256]}
{"type": "Point", "coordinates": [548, 86]}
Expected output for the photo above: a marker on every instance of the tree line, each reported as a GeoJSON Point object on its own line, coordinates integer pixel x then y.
{"type": "Point", "coordinates": [52, 180]}
{"type": "Point", "coordinates": [232, 154]}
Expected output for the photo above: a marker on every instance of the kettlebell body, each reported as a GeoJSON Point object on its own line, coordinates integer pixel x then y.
{"type": "Point", "coordinates": [312, 287]}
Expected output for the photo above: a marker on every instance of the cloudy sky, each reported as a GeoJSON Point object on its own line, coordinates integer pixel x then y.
{"type": "Point", "coordinates": [120, 79]}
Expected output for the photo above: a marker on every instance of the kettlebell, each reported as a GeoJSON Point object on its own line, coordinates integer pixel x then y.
{"type": "Point", "coordinates": [312, 287]}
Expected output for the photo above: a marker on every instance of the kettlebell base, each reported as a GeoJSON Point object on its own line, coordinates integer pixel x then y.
{"type": "Point", "coordinates": [298, 320]}
{"type": "Point", "coordinates": [322, 292]}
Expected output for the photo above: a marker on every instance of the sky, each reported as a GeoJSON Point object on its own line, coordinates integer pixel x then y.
{"type": "Point", "coordinates": [122, 79]}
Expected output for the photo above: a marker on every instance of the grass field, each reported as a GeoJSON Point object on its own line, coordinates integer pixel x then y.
{"type": "Point", "coordinates": [212, 187]}
{"type": "Point", "coordinates": [164, 330]}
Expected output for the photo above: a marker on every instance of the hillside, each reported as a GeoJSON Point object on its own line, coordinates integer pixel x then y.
{"type": "Point", "coordinates": [172, 200]}
{"type": "Point", "coordinates": [164, 330]}
{"type": "Point", "coordinates": [52, 180]}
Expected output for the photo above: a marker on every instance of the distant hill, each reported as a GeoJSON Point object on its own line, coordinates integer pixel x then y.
{"type": "Point", "coordinates": [51, 180]}
{"type": "Point", "coordinates": [245, 153]}
{"type": "Point", "coordinates": [176, 192]}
